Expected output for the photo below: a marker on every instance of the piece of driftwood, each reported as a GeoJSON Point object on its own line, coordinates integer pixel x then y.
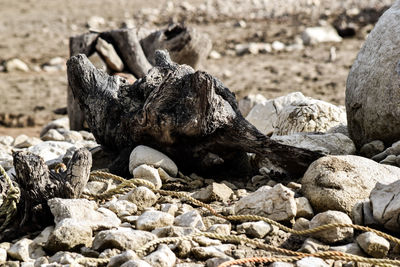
{"type": "Point", "coordinates": [38, 184]}
{"type": "Point", "coordinates": [186, 45]}
{"type": "Point", "coordinates": [191, 116]}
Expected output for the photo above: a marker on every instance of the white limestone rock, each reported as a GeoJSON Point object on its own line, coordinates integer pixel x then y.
{"type": "Point", "coordinates": [149, 173]}
{"type": "Point", "coordinates": [316, 35]}
{"type": "Point", "coordinates": [276, 203]}
{"type": "Point", "coordinates": [147, 155]}
{"type": "Point", "coordinates": [374, 245]}
{"type": "Point", "coordinates": [84, 211]}
{"type": "Point", "coordinates": [151, 220]}
{"type": "Point", "coordinates": [121, 238]}
{"type": "Point", "coordinates": [162, 257]}
{"type": "Point", "coordinates": [333, 235]}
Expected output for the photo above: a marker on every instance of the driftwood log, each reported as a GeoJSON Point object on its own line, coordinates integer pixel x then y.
{"type": "Point", "coordinates": [38, 184]}
{"type": "Point", "coordinates": [186, 45]}
{"type": "Point", "coordinates": [191, 116]}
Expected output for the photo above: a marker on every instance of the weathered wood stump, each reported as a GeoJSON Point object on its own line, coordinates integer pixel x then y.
{"type": "Point", "coordinates": [38, 184]}
{"type": "Point", "coordinates": [191, 116]}
{"type": "Point", "coordinates": [186, 45]}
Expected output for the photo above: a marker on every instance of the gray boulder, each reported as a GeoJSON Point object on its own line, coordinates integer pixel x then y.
{"type": "Point", "coordinates": [373, 84]}
{"type": "Point", "coordinates": [385, 204]}
{"type": "Point", "coordinates": [339, 182]}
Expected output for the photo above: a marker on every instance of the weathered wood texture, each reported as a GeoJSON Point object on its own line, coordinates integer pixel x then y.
{"type": "Point", "coordinates": [38, 184]}
{"type": "Point", "coordinates": [186, 46]}
{"type": "Point", "coordinates": [191, 116]}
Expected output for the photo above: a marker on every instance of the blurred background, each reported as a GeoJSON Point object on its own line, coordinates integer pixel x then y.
{"type": "Point", "coordinates": [267, 47]}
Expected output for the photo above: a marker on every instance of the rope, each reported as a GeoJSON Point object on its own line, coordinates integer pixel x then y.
{"type": "Point", "coordinates": [127, 185]}
{"type": "Point", "coordinates": [9, 205]}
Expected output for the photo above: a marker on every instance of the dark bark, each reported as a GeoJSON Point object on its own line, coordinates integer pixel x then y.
{"type": "Point", "coordinates": [191, 116]}
{"type": "Point", "coordinates": [80, 44]}
{"type": "Point", "coordinates": [184, 44]}
{"type": "Point", "coordinates": [38, 184]}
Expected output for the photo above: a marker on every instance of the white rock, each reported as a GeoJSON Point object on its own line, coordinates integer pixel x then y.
{"type": "Point", "coordinates": [202, 253]}
{"type": "Point", "coordinates": [339, 182]}
{"type": "Point", "coordinates": [63, 257]}
{"type": "Point", "coordinates": [151, 220]}
{"type": "Point", "coordinates": [335, 234]}
{"type": "Point", "coordinates": [84, 211]}
{"type": "Point", "coordinates": [169, 208]}
{"type": "Point", "coordinates": [51, 151]}
{"type": "Point", "coordinates": [385, 203]}
{"type": "Point", "coordinates": [373, 245]}
{"type": "Point", "coordinates": [121, 207]}
{"type": "Point", "coordinates": [315, 35]}
{"type": "Point", "coordinates": [147, 155]}
{"type": "Point", "coordinates": [214, 192]}
{"type": "Point", "coordinates": [21, 250]}
{"type": "Point", "coordinates": [311, 262]}
{"type": "Point", "coordinates": [3, 255]}
{"type": "Point", "coordinates": [190, 219]}
{"type": "Point", "coordinates": [276, 203]}
{"type": "Point", "coordinates": [62, 123]}
{"type": "Point", "coordinates": [6, 140]}
{"type": "Point", "coordinates": [327, 143]}
{"type": "Point", "coordinates": [72, 136]}
{"type": "Point", "coordinates": [136, 263]}
{"type": "Point", "coordinates": [372, 87]}
{"type": "Point", "coordinates": [278, 46]}
{"type": "Point", "coordinates": [162, 257]}
{"type": "Point", "coordinates": [121, 238]}
{"type": "Point", "coordinates": [304, 208]}
{"type": "Point", "coordinates": [308, 115]}
{"type": "Point", "coordinates": [249, 101]}
{"type": "Point", "coordinates": [257, 229]}
{"type": "Point", "coordinates": [264, 115]}
{"type": "Point", "coordinates": [109, 54]}
{"type": "Point", "coordinates": [69, 234]}
{"type": "Point", "coordinates": [214, 55]}
{"type": "Point", "coordinates": [170, 231]}
{"type": "Point", "coordinates": [53, 135]}
{"type": "Point", "coordinates": [220, 229]}
{"type": "Point", "coordinates": [16, 64]}
{"type": "Point", "coordinates": [141, 196]}
{"type": "Point", "coordinates": [120, 259]}
{"type": "Point", "coordinates": [149, 173]}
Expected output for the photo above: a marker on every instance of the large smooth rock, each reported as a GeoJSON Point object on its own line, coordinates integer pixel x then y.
{"type": "Point", "coordinates": [385, 204]}
{"type": "Point", "coordinates": [147, 155]}
{"type": "Point", "coordinates": [276, 203]}
{"type": "Point", "coordinates": [51, 151]}
{"type": "Point", "coordinates": [84, 211]}
{"type": "Point", "coordinates": [373, 84]}
{"type": "Point", "coordinates": [339, 182]}
{"type": "Point", "coordinates": [328, 143]}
